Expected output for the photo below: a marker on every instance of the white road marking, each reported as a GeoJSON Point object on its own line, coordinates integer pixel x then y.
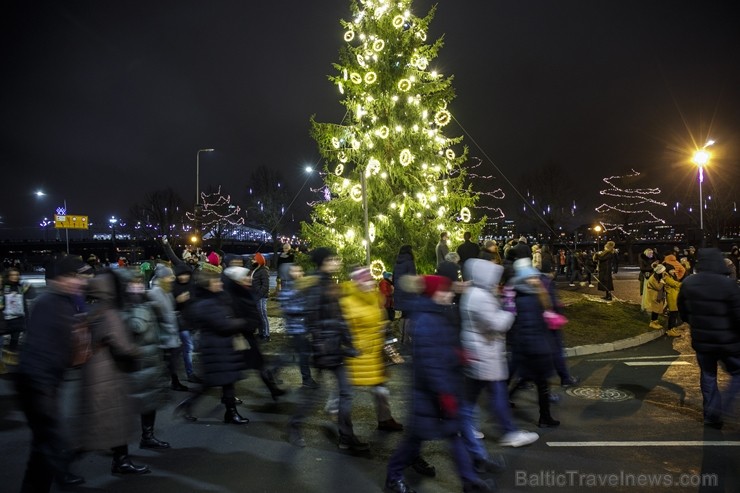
{"type": "Point", "coordinates": [676, 443]}
{"type": "Point", "coordinates": [657, 363]}
{"type": "Point", "coordinates": [645, 357]}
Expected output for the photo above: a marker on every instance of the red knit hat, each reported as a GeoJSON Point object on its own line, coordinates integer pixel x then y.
{"type": "Point", "coordinates": [214, 259]}
{"type": "Point", "coordinates": [259, 259]}
{"type": "Point", "coordinates": [432, 284]}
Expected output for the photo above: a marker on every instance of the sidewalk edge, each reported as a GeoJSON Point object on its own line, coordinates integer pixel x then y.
{"type": "Point", "coordinates": [608, 347]}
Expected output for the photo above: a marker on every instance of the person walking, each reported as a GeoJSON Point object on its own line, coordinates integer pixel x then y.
{"type": "Point", "coordinates": [710, 302]}
{"type": "Point", "coordinates": [331, 343]}
{"type": "Point", "coordinates": [436, 388]}
{"type": "Point", "coordinates": [604, 259]}
{"type": "Point", "coordinates": [14, 300]}
{"type": "Point", "coordinates": [261, 288]}
{"type": "Point", "coordinates": [404, 266]}
{"type": "Point", "coordinates": [107, 413]}
{"type": "Point", "coordinates": [44, 358]}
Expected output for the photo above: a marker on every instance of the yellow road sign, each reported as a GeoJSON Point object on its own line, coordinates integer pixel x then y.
{"type": "Point", "coordinates": [69, 221]}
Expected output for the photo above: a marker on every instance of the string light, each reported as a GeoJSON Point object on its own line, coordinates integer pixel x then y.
{"type": "Point", "coordinates": [637, 198]}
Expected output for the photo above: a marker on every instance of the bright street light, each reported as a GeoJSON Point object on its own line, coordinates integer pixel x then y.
{"type": "Point", "coordinates": [701, 158]}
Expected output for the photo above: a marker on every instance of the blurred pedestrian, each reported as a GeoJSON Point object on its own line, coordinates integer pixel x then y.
{"type": "Point", "coordinates": [710, 302]}
{"type": "Point", "coordinates": [260, 275]}
{"type": "Point", "coordinates": [44, 357]}
{"type": "Point", "coordinates": [605, 259]}
{"type": "Point", "coordinates": [107, 411]}
{"type": "Point", "coordinates": [386, 288]}
{"type": "Point", "coordinates": [292, 300]}
{"type": "Point", "coordinates": [404, 266]}
{"type": "Point", "coordinates": [467, 249]}
{"type": "Point", "coordinates": [14, 306]}
{"type": "Point", "coordinates": [442, 247]}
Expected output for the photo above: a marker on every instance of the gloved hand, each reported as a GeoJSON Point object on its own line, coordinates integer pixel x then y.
{"type": "Point", "coordinates": [448, 404]}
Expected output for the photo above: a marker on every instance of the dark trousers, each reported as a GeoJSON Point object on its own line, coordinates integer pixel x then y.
{"type": "Point", "coordinates": [302, 347]}
{"type": "Point", "coordinates": [310, 399]}
{"type": "Point", "coordinates": [410, 448]}
{"type": "Point", "coordinates": [49, 455]}
{"type": "Point", "coordinates": [714, 407]}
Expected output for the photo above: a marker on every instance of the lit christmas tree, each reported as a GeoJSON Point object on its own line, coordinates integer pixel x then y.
{"type": "Point", "coordinates": [220, 218]}
{"type": "Point", "coordinates": [633, 208]}
{"type": "Point", "coordinates": [390, 151]}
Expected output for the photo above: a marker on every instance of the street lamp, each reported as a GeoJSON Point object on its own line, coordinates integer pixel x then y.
{"type": "Point", "coordinates": [597, 228]}
{"type": "Point", "coordinates": [40, 194]}
{"type": "Point", "coordinates": [701, 158]}
{"type": "Point", "coordinates": [197, 189]}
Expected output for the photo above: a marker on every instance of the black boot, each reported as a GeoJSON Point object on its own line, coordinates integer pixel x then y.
{"type": "Point", "coordinates": [269, 380]}
{"type": "Point", "coordinates": [233, 417]}
{"type": "Point", "coordinates": [543, 398]}
{"type": "Point", "coordinates": [176, 385]}
{"type": "Point", "coordinates": [122, 465]}
{"type": "Point", "coordinates": [148, 440]}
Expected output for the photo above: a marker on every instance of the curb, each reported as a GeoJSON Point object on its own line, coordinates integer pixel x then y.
{"type": "Point", "coordinates": [608, 347]}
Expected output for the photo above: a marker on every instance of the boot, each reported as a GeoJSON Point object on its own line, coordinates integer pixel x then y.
{"type": "Point", "coordinates": [148, 440]}
{"type": "Point", "coordinates": [232, 415]}
{"type": "Point", "coordinates": [269, 380]}
{"type": "Point", "coordinates": [176, 385]}
{"type": "Point", "coordinates": [543, 397]}
{"type": "Point", "coordinates": [184, 409]}
{"type": "Point", "coordinates": [122, 465]}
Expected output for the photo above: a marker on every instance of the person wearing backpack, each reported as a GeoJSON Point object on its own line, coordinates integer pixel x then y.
{"type": "Point", "coordinates": [14, 305]}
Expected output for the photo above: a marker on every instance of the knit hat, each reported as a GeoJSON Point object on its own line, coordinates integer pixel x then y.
{"type": "Point", "coordinates": [236, 273]}
{"type": "Point", "coordinates": [432, 284]}
{"type": "Point", "coordinates": [387, 275]}
{"type": "Point", "coordinates": [361, 275]}
{"type": "Point", "coordinates": [648, 252]}
{"type": "Point", "coordinates": [319, 255]}
{"type": "Point", "coordinates": [523, 269]}
{"type": "Point", "coordinates": [214, 259]}
{"type": "Point", "coordinates": [659, 269]}
{"type": "Point", "coordinates": [181, 269]}
{"type": "Point", "coordinates": [259, 259]}
{"type": "Point", "coordinates": [450, 270]}
{"type": "Point", "coordinates": [65, 266]}
{"type": "Point", "coordinates": [162, 271]}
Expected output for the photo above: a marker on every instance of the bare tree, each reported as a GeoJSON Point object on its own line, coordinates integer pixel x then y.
{"type": "Point", "coordinates": [159, 214]}
{"type": "Point", "coordinates": [267, 201]}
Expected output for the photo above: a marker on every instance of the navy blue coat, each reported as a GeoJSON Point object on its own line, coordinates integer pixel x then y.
{"type": "Point", "coordinates": [405, 266]}
{"type": "Point", "coordinates": [437, 369]}
{"type": "Point", "coordinates": [212, 315]}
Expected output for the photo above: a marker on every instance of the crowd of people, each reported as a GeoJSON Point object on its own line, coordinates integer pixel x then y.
{"type": "Point", "coordinates": [487, 320]}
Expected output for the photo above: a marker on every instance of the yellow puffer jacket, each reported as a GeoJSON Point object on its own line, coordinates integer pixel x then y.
{"type": "Point", "coordinates": [366, 320]}
{"type": "Point", "coordinates": [672, 286]}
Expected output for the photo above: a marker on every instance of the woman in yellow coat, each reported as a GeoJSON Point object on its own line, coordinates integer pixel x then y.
{"type": "Point", "coordinates": [362, 309]}
{"type": "Point", "coordinates": [672, 286]}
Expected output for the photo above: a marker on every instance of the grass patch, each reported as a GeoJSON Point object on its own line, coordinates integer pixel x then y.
{"type": "Point", "coordinates": [591, 322]}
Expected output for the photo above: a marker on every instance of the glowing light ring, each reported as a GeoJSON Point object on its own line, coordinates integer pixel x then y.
{"type": "Point", "coordinates": [442, 118]}
{"type": "Point", "coordinates": [450, 154]}
{"type": "Point", "coordinates": [441, 211]}
{"type": "Point", "coordinates": [339, 170]}
{"type": "Point", "coordinates": [378, 45]}
{"type": "Point", "coordinates": [355, 144]}
{"type": "Point", "coordinates": [349, 36]}
{"type": "Point", "coordinates": [377, 267]}
{"type": "Point", "coordinates": [404, 85]}
{"type": "Point", "coordinates": [406, 157]}
{"type": "Point", "coordinates": [398, 21]}
{"type": "Point", "coordinates": [355, 77]}
{"type": "Point", "coordinates": [341, 88]}
{"type": "Point", "coordinates": [383, 132]}
{"type": "Point", "coordinates": [373, 167]}
{"type": "Point", "coordinates": [343, 158]}
{"type": "Point", "coordinates": [422, 35]}
{"type": "Point", "coordinates": [335, 142]}
{"type": "Point", "coordinates": [370, 77]}
{"type": "Point", "coordinates": [356, 193]}
{"type": "Point", "coordinates": [465, 215]}
{"type": "Point", "coordinates": [422, 63]}
{"type": "Point", "coordinates": [361, 60]}
{"type": "Point", "coordinates": [423, 200]}
{"type": "Point", "coordinates": [371, 232]}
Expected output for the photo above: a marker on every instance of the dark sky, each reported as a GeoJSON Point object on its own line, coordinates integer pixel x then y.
{"type": "Point", "coordinates": [105, 101]}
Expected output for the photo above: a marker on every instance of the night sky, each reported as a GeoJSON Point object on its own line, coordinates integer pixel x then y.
{"type": "Point", "coordinates": [105, 101]}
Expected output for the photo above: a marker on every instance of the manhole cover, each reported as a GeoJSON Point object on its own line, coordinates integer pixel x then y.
{"type": "Point", "coordinates": [600, 394]}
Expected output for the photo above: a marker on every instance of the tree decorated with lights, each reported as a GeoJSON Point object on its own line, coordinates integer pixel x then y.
{"type": "Point", "coordinates": [219, 217]}
{"type": "Point", "coordinates": [390, 153]}
{"type": "Point", "coordinates": [632, 209]}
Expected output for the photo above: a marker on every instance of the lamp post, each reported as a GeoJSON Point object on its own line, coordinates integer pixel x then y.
{"type": "Point", "coordinates": [701, 158]}
{"type": "Point", "coordinates": [597, 228]}
{"type": "Point", "coordinates": [40, 193]}
{"type": "Point", "coordinates": [196, 210]}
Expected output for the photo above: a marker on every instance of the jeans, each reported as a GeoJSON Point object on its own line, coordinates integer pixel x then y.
{"type": "Point", "coordinates": [262, 309]}
{"type": "Point", "coordinates": [499, 406]}
{"type": "Point", "coordinates": [310, 399]}
{"type": "Point", "coordinates": [302, 347]}
{"type": "Point", "coordinates": [714, 407]}
{"type": "Point", "coordinates": [187, 351]}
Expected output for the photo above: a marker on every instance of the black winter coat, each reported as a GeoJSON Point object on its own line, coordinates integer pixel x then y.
{"type": "Point", "coordinates": [261, 282]}
{"type": "Point", "coordinates": [710, 302]}
{"type": "Point", "coordinates": [212, 315]}
{"type": "Point", "coordinates": [405, 266]}
{"type": "Point", "coordinates": [331, 340]}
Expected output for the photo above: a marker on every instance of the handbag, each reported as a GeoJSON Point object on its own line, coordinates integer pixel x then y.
{"type": "Point", "coordinates": [554, 320]}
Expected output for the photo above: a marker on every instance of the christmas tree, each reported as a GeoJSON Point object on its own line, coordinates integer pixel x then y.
{"type": "Point", "coordinates": [392, 176]}
{"type": "Point", "coordinates": [633, 207]}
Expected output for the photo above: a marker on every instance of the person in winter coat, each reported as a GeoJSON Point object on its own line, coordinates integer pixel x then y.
{"type": "Point", "coordinates": [531, 345]}
{"type": "Point", "coordinates": [331, 343]}
{"type": "Point", "coordinates": [222, 358]}
{"type": "Point", "coordinates": [604, 259]}
{"type": "Point", "coordinates": [14, 306]}
{"type": "Point", "coordinates": [672, 288]}
{"type": "Point", "coordinates": [107, 411]}
{"type": "Point", "coordinates": [149, 380]}
{"type": "Point", "coordinates": [645, 262]}
{"type": "Point", "coordinates": [386, 288]}
{"type": "Point", "coordinates": [184, 292]}
{"type": "Point", "coordinates": [467, 249]}
{"type": "Point", "coordinates": [537, 257]}
{"type": "Point", "coordinates": [238, 288]}
{"type": "Point", "coordinates": [436, 388]}
{"type": "Point", "coordinates": [292, 301]}
{"type": "Point", "coordinates": [442, 248]}
{"type": "Point", "coordinates": [655, 295]}
{"type": "Point", "coordinates": [575, 268]}
{"type": "Point", "coordinates": [361, 308]}
{"type": "Point", "coordinates": [670, 259]}
{"type": "Point", "coordinates": [261, 289]}
{"type": "Point", "coordinates": [44, 358]}
{"type": "Point", "coordinates": [710, 302]}
{"type": "Point", "coordinates": [404, 266]}
{"type": "Point", "coordinates": [483, 338]}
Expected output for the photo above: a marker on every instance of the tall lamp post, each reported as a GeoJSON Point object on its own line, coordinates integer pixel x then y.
{"type": "Point", "coordinates": [39, 193]}
{"type": "Point", "coordinates": [597, 228]}
{"type": "Point", "coordinates": [197, 210]}
{"type": "Point", "coordinates": [701, 158]}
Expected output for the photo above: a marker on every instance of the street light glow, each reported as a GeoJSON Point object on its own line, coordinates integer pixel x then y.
{"type": "Point", "coordinates": [309, 169]}
{"type": "Point", "coordinates": [701, 157]}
